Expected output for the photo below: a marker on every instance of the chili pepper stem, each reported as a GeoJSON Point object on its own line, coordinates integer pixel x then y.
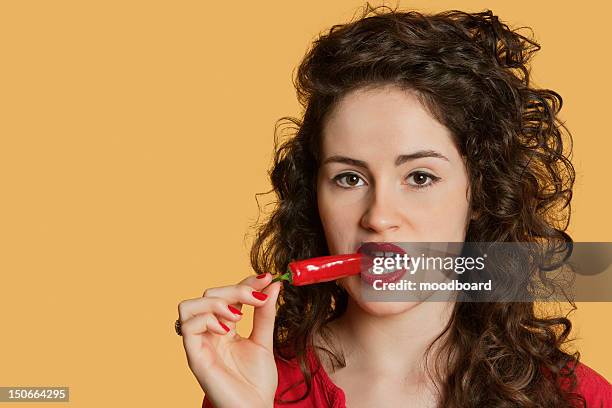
{"type": "Point", "coordinates": [286, 276]}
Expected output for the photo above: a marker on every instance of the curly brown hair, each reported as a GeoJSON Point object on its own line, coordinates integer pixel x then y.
{"type": "Point", "coordinates": [470, 70]}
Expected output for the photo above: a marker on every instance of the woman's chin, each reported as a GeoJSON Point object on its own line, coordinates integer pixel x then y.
{"type": "Point", "coordinates": [352, 285]}
{"type": "Point", "coordinates": [381, 309]}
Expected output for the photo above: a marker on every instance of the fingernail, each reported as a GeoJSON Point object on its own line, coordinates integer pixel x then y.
{"type": "Point", "coordinates": [259, 295]}
{"type": "Point", "coordinates": [224, 326]}
{"type": "Point", "coordinates": [234, 310]}
{"type": "Point", "coordinates": [263, 275]}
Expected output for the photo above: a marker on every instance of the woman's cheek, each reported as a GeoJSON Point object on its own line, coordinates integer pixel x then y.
{"type": "Point", "coordinates": [447, 221]}
{"type": "Point", "coordinates": [339, 224]}
{"type": "Point", "coordinates": [339, 234]}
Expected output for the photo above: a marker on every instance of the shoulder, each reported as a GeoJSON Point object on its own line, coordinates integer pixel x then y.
{"type": "Point", "coordinates": [595, 389]}
{"type": "Point", "coordinates": [292, 384]}
{"type": "Point", "coordinates": [592, 386]}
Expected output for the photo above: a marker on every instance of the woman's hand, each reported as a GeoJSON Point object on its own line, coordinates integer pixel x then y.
{"type": "Point", "coordinates": [233, 371]}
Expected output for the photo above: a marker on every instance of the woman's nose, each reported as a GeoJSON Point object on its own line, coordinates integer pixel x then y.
{"type": "Point", "coordinates": [381, 214]}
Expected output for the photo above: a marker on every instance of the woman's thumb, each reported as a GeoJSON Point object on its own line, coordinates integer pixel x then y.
{"type": "Point", "coordinates": [263, 317]}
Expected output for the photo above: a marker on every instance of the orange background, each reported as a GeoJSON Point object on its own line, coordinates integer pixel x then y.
{"type": "Point", "coordinates": [134, 136]}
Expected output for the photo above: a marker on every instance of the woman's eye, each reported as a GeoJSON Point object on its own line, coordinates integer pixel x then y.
{"type": "Point", "coordinates": [348, 180]}
{"type": "Point", "coordinates": [421, 179]}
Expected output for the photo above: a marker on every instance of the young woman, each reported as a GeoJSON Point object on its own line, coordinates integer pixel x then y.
{"type": "Point", "coordinates": [416, 128]}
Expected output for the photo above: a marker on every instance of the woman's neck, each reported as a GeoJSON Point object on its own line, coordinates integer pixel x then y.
{"type": "Point", "coordinates": [391, 345]}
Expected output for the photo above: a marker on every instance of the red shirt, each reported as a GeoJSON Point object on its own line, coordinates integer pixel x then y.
{"type": "Point", "coordinates": [595, 389]}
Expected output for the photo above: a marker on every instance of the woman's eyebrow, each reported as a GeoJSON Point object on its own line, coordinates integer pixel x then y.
{"type": "Point", "coordinates": [345, 160]}
{"type": "Point", "coordinates": [418, 155]}
{"type": "Point", "coordinates": [401, 159]}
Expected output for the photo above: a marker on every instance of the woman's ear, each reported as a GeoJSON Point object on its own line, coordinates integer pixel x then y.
{"type": "Point", "coordinates": [474, 214]}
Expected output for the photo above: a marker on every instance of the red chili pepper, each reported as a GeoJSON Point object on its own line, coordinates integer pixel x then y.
{"type": "Point", "coordinates": [322, 269]}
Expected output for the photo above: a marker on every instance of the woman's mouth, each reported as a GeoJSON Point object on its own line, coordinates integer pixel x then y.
{"type": "Point", "coordinates": [377, 271]}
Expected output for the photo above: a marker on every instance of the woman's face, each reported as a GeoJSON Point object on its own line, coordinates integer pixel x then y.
{"type": "Point", "coordinates": [389, 173]}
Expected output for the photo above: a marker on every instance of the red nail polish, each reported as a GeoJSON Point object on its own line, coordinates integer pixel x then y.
{"type": "Point", "coordinates": [263, 275]}
{"type": "Point", "coordinates": [259, 295]}
{"type": "Point", "coordinates": [224, 326]}
{"type": "Point", "coordinates": [234, 310]}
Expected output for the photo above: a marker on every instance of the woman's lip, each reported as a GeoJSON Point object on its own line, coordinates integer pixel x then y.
{"type": "Point", "coordinates": [372, 247]}
{"type": "Point", "coordinates": [369, 278]}
{"type": "Point", "coordinates": [369, 248]}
